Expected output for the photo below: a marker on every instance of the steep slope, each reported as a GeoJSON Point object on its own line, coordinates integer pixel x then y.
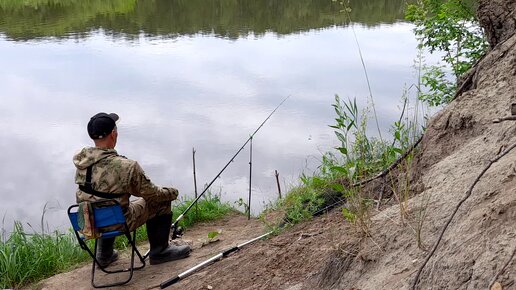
{"type": "Point", "coordinates": [459, 143]}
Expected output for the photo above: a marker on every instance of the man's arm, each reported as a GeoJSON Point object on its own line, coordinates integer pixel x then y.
{"type": "Point", "coordinates": [142, 186]}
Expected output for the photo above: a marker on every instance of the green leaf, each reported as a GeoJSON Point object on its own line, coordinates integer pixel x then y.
{"type": "Point", "coordinates": [318, 182]}
{"type": "Point", "coordinates": [212, 235]}
{"type": "Point", "coordinates": [341, 137]}
{"type": "Point", "coordinates": [348, 215]}
{"type": "Point", "coordinates": [343, 150]}
{"type": "Point", "coordinates": [339, 169]}
{"type": "Point", "coordinates": [397, 150]}
{"type": "Point", "coordinates": [338, 187]}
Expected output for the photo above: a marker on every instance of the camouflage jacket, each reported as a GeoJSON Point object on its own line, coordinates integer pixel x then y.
{"type": "Point", "coordinates": [113, 173]}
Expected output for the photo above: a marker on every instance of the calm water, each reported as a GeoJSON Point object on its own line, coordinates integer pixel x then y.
{"type": "Point", "coordinates": [185, 74]}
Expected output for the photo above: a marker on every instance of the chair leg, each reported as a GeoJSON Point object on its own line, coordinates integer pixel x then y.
{"type": "Point", "coordinates": [93, 264]}
{"type": "Point", "coordinates": [132, 241]}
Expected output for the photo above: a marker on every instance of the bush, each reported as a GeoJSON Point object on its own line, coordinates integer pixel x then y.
{"type": "Point", "coordinates": [451, 28]}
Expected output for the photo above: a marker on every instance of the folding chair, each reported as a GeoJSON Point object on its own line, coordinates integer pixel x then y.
{"type": "Point", "coordinates": [110, 222]}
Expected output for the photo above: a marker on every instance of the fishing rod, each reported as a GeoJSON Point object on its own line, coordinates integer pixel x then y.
{"type": "Point", "coordinates": [177, 231]}
{"type": "Point", "coordinates": [209, 261]}
{"type": "Point", "coordinates": [227, 252]}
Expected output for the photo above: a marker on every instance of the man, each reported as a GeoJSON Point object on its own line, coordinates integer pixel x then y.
{"type": "Point", "coordinates": [102, 173]}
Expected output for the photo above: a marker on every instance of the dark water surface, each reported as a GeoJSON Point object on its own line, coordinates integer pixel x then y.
{"type": "Point", "coordinates": [184, 74]}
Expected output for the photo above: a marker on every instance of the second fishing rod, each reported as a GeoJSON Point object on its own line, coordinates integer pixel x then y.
{"type": "Point", "coordinates": [176, 231]}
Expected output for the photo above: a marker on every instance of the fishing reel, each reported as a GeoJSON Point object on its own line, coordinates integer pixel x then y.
{"type": "Point", "coordinates": [177, 232]}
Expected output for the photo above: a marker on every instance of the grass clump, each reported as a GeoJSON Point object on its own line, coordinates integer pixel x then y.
{"type": "Point", "coordinates": [27, 258]}
{"type": "Point", "coordinates": [301, 203]}
{"type": "Point", "coordinates": [208, 208]}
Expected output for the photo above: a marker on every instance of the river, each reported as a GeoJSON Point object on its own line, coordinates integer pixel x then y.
{"type": "Point", "coordinates": [183, 75]}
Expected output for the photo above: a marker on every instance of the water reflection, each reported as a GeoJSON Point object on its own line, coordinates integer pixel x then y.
{"type": "Point", "coordinates": [176, 93]}
{"type": "Point", "coordinates": [24, 20]}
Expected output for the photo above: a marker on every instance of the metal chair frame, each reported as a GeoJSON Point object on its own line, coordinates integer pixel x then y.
{"type": "Point", "coordinates": [107, 213]}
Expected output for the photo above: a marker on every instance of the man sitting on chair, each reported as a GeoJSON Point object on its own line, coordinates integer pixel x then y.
{"type": "Point", "coordinates": [113, 176]}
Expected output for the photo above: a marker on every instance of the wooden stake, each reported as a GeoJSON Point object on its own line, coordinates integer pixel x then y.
{"type": "Point", "coordinates": [195, 182]}
{"type": "Point", "coordinates": [277, 182]}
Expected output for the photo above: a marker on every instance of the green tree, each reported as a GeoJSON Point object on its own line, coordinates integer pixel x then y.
{"type": "Point", "coordinates": [451, 28]}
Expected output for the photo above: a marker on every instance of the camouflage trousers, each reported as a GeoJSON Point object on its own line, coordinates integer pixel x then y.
{"type": "Point", "coordinates": [141, 210]}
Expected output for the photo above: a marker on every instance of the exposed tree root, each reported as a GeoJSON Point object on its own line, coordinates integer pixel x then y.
{"type": "Point", "coordinates": [468, 194]}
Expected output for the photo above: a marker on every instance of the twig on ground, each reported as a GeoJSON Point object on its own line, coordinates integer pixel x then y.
{"type": "Point", "coordinates": [381, 196]}
{"type": "Point", "coordinates": [308, 235]}
{"type": "Point", "coordinates": [152, 287]}
{"type": "Point", "coordinates": [375, 243]}
{"type": "Point", "coordinates": [503, 269]}
{"type": "Point", "coordinates": [468, 194]}
{"type": "Point", "coordinates": [499, 120]}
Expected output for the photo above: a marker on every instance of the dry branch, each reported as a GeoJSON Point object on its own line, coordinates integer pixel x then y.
{"type": "Point", "coordinates": [510, 118]}
{"type": "Point", "coordinates": [468, 194]}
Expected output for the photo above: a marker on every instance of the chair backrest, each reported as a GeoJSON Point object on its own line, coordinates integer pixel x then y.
{"type": "Point", "coordinates": [106, 214]}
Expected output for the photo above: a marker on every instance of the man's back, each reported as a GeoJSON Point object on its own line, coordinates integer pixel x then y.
{"type": "Point", "coordinates": [111, 173]}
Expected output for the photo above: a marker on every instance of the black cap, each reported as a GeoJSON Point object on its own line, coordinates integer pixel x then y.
{"type": "Point", "coordinates": [101, 125]}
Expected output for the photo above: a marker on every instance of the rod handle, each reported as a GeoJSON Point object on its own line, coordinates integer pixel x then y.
{"type": "Point", "coordinates": [169, 282]}
{"type": "Point", "coordinates": [229, 251]}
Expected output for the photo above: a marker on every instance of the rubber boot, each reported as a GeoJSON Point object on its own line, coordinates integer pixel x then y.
{"type": "Point", "coordinates": [105, 253]}
{"type": "Point", "coordinates": [158, 231]}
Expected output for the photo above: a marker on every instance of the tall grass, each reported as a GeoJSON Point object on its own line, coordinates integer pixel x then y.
{"type": "Point", "coordinates": [26, 258]}
{"type": "Point", "coordinates": [357, 157]}
{"type": "Point", "coordinates": [209, 207]}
